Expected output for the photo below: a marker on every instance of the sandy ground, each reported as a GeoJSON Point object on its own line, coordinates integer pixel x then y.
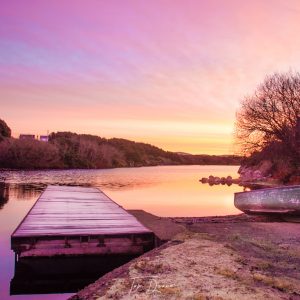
{"type": "Point", "coordinates": [233, 257]}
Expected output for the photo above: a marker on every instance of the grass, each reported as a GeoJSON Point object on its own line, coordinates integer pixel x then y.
{"type": "Point", "coordinates": [242, 261]}
{"type": "Point", "coordinates": [264, 245]}
{"type": "Point", "coordinates": [227, 273]}
{"type": "Point", "coordinates": [170, 291]}
{"type": "Point", "coordinates": [187, 234]}
{"type": "Point", "coordinates": [147, 266]}
{"type": "Point", "coordinates": [200, 296]}
{"type": "Point", "coordinates": [282, 284]}
{"type": "Point", "coordinates": [264, 265]}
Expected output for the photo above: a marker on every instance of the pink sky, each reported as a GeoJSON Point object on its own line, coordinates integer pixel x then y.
{"type": "Point", "coordinates": [171, 73]}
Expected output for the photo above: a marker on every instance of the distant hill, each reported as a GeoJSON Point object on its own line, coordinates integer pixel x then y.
{"type": "Point", "coordinates": [183, 153]}
{"type": "Point", "coordinates": [71, 150]}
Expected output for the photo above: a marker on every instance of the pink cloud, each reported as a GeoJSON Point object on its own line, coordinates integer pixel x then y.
{"type": "Point", "coordinates": [171, 61]}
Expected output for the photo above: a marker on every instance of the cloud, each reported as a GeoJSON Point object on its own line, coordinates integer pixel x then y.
{"type": "Point", "coordinates": [153, 63]}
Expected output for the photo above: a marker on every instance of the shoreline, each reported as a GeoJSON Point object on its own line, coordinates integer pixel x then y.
{"type": "Point", "coordinates": [109, 168]}
{"type": "Point", "coordinates": [226, 257]}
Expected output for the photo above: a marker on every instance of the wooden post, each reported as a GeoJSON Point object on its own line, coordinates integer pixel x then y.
{"type": "Point", "coordinates": [133, 239]}
{"type": "Point", "coordinates": [67, 244]}
{"type": "Point", "coordinates": [32, 243]}
{"type": "Point", "coordinates": [101, 241]}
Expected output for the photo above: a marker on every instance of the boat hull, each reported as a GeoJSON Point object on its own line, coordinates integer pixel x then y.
{"type": "Point", "coordinates": [279, 200]}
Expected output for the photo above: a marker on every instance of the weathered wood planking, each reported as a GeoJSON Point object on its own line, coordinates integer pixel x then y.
{"type": "Point", "coordinates": [83, 219]}
{"type": "Point", "coordinates": [77, 211]}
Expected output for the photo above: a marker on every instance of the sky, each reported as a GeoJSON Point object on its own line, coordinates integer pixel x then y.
{"type": "Point", "coordinates": [167, 72]}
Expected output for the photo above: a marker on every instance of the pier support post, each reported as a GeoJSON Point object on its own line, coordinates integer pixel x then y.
{"type": "Point", "coordinates": [32, 243]}
{"type": "Point", "coordinates": [101, 242]}
{"type": "Point", "coordinates": [133, 239]}
{"type": "Point", "coordinates": [67, 244]}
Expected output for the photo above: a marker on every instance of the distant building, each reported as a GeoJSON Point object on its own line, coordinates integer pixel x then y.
{"type": "Point", "coordinates": [27, 137]}
{"type": "Point", "coordinates": [44, 138]}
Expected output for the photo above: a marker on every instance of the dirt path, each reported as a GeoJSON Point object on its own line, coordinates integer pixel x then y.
{"type": "Point", "coordinates": [234, 257]}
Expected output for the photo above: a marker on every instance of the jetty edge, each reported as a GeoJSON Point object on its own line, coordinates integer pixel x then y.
{"type": "Point", "coordinates": [73, 220]}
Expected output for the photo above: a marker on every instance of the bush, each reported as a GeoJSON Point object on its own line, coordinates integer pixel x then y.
{"type": "Point", "coordinates": [5, 131]}
{"type": "Point", "coordinates": [28, 154]}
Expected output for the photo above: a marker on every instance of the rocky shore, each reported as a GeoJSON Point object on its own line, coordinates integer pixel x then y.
{"type": "Point", "coordinates": [231, 257]}
{"type": "Point", "coordinates": [269, 173]}
{"type": "Point", "coordinates": [215, 180]}
{"type": "Point", "coordinates": [265, 173]}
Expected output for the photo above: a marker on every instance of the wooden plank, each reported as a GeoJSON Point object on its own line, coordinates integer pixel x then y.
{"type": "Point", "coordinates": [64, 210]}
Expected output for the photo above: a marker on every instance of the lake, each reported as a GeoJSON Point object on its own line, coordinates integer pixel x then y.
{"type": "Point", "coordinates": [164, 191]}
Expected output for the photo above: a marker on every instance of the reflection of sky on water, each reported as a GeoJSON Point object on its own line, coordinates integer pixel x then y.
{"type": "Point", "coordinates": [113, 179]}
{"type": "Point", "coordinates": [164, 191]}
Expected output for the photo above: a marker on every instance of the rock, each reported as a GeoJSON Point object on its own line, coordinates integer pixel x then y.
{"type": "Point", "coordinates": [229, 180]}
{"type": "Point", "coordinates": [217, 180]}
{"type": "Point", "coordinates": [257, 175]}
{"type": "Point", "coordinates": [249, 174]}
{"type": "Point", "coordinates": [204, 180]}
{"type": "Point", "coordinates": [267, 171]}
{"type": "Point", "coordinates": [236, 180]}
{"type": "Point", "coordinates": [212, 180]}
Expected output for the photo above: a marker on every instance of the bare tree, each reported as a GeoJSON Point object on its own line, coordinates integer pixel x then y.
{"type": "Point", "coordinates": [270, 114]}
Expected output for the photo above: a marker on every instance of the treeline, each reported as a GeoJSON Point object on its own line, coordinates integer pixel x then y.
{"type": "Point", "coordinates": [82, 151]}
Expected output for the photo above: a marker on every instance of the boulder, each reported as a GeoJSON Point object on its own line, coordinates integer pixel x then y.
{"type": "Point", "coordinates": [212, 180]}
{"type": "Point", "coordinates": [217, 180]}
{"type": "Point", "coordinates": [223, 180]}
{"type": "Point", "coordinates": [204, 180]}
{"type": "Point", "coordinates": [229, 179]}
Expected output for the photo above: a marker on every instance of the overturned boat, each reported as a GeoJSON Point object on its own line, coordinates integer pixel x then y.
{"type": "Point", "coordinates": [280, 200]}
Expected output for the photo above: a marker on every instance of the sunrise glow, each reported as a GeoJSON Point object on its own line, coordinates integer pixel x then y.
{"type": "Point", "coordinates": [170, 73]}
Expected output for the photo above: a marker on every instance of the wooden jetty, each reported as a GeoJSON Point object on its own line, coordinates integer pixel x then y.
{"type": "Point", "coordinates": [72, 221]}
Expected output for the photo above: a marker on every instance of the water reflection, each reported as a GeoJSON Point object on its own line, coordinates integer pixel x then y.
{"type": "Point", "coordinates": [19, 192]}
{"type": "Point", "coordinates": [163, 191]}
{"type": "Point", "coordinates": [112, 179]}
{"type": "Point", "coordinates": [61, 274]}
{"type": "Point", "coordinates": [24, 191]}
{"type": "Point", "coordinates": [4, 194]}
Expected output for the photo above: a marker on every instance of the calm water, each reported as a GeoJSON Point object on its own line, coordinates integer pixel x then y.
{"type": "Point", "coordinates": [163, 191]}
